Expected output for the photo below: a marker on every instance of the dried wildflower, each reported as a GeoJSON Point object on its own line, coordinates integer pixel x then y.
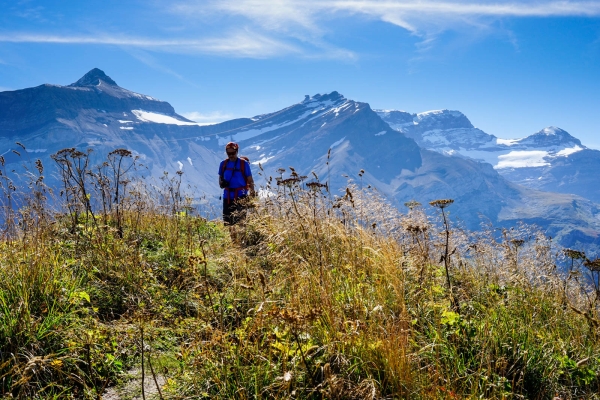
{"type": "Point", "coordinates": [2, 161]}
{"type": "Point", "coordinates": [441, 203]}
{"type": "Point", "coordinates": [348, 194]}
{"type": "Point", "coordinates": [412, 204]}
{"type": "Point", "coordinates": [416, 228]}
{"type": "Point", "coordinates": [39, 166]}
{"type": "Point", "coordinates": [281, 170]}
{"type": "Point", "coordinates": [17, 153]}
{"type": "Point", "coordinates": [593, 265]}
{"type": "Point", "coordinates": [517, 242]}
{"type": "Point", "coordinates": [295, 317]}
{"type": "Point", "coordinates": [316, 185]}
{"type": "Point", "coordinates": [288, 181]}
{"type": "Point", "coordinates": [20, 145]}
{"type": "Point", "coordinates": [65, 151]}
{"type": "Point", "coordinates": [574, 254]}
{"type": "Point", "coordinates": [120, 152]}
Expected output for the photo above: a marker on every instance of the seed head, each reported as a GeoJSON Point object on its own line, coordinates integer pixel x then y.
{"type": "Point", "coordinates": [441, 203]}
{"type": "Point", "coordinates": [412, 204]}
{"type": "Point", "coordinates": [120, 152]}
{"type": "Point", "coordinates": [39, 166]}
{"type": "Point", "coordinates": [574, 254]}
{"type": "Point", "coordinates": [517, 242]}
{"type": "Point", "coordinates": [593, 265]}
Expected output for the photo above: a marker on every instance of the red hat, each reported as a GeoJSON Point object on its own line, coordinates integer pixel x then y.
{"type": "Point", "coordinates": [232, 145]}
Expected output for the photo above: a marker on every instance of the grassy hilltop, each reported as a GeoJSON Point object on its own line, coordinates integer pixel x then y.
{"type": "Point", "coordinates": [322, 297]}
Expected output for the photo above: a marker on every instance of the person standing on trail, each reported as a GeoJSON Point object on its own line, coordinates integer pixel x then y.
{"type": "Point", "coordinates": [235, 178]}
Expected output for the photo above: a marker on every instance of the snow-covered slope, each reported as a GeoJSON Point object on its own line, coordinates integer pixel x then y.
{"type": "Point", "coordinates": [550, 159]}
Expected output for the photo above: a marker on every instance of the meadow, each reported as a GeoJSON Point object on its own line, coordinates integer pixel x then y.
{"type": "Point", "coordinates": [321, 296]}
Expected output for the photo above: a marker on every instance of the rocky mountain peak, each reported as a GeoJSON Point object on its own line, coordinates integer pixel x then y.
{"type": "Point", "coordinates": [93, 78]}
{"type": "Point", "coordinates": [443, 119]}
{"type": "Point", "coordinates": [332, 97]}
{"type": "Point", "coordinates": [551, 136]}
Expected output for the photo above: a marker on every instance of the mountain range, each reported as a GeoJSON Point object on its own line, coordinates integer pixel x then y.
{"type": "Point", "coordinates": [546, 179]}
{"type": "Point", "coordinates": [549, 160]}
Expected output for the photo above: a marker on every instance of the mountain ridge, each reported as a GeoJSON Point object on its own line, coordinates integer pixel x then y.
{"type": "Point", "coordinates": [327, 134]}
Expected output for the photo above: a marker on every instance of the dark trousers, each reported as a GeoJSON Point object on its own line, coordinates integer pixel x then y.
{"type": "Point", "coordinates": [234, 210]}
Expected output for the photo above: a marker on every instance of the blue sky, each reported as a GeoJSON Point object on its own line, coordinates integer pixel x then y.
{"type": "Point", "coordinates": [512, 67]}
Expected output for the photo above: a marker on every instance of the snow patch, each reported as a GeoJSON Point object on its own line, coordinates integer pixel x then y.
{"type": "Point", "coordinates": [568, 151]}
{"type": "Point", "coordinates": [126, 127]}
{"type": "Point", "coordinates": [522, 159]}
{"type": "Point", "coordinates": [507, 142]}
{"type": "Point", "coordinates": [249, 134]}
{"type": "Point", "coordinates": [550, 131]}
{"type": "Point", "coordinates": [190, 161]}
{"type": "Point", "coordinates": [180, 165]}
{"type": "Point", "coordinates": [381, 133]}
{"type": "Point", "coordinates": [431, 113]}
{"type": "Point", "coordinates": [36, 150]}
{"type": "Point", "coordinates": [146, 116]}
{"type": "Point", "coordinates": [337, 143]}
{"type": "Point", "coordinates": [125, 122]}
{"type": "Point", "coordinates": [262, 161]}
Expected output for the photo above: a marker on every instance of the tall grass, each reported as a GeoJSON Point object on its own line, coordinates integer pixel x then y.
{"type": "Point", "coordinates": [337, 297]}
{"type": "Point", "coordinates": [347, 300]}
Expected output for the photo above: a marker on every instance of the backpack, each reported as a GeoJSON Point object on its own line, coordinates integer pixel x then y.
{"type": "Point", "coordinates": [242, 169]}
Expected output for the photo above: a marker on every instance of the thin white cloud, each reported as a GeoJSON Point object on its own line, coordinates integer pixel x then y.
{"type": "Point", "coordinates": [239, 44]}
{"type": "Point", "coordinates": [208, 118]}
{"type": "Point", "coordinates": [147, 59]}
{"type": "Point", "coordinates": [311, 23]}
{"type": "Point", "coordinates": [416, 16]}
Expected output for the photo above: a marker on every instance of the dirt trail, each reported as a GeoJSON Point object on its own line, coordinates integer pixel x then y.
{"type": "Point", "coordinates": [132, 389]}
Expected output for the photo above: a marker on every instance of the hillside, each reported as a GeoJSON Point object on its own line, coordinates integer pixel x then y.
{"type": "Point", "coordinates": [341, 299]}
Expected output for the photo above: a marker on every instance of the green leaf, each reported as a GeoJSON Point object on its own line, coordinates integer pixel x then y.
{"type": "Point", "coordinates": [450, 318]}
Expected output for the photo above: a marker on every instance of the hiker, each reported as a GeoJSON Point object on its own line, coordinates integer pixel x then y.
{"type": "Point", "coordinates": [235, 178]}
